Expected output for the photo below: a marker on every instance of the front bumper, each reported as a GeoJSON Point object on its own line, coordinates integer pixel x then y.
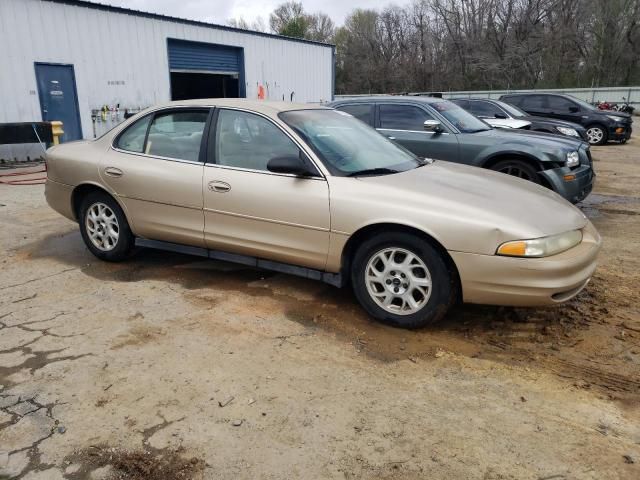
{"type": "Point", "coordinates": [573, 184]}
{"type": "Point", "coordinates": [528, 282]}
{"type": "Point", "coordinates": [620, 131]}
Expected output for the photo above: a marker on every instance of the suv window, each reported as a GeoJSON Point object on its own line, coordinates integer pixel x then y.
{"type": "Point", "coordinates": [462, 103]}
{"type": "Point", "coordinates": [403, 117]}
{"type": "Point", "coordinates": [132, 139]}
{"type": "Point", "coordinates": [177, 134]}
{"type": "Point", "coordinates": [481, 108]}
{"type": "Point", "coordinates": [560, 104]}
{"type": "Point", "coordinates": [533, 102]}
{"type": "Point", "coordinates": [361, 111]}
{"type": "Point", "coordinates": [246, 140]}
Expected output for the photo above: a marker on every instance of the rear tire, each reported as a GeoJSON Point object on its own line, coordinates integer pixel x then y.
{"type": "Point", "coordinates": [104, 227]}
{"type": "Point", "coordinates": [517, 168]}
{"type": "Point", "coordinates": [596, 135]}
{"type": "Point", "coordinates": [402, 280]}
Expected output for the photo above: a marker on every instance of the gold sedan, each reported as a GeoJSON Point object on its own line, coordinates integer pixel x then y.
{"type": "Point", "coordinates": [314, 192]}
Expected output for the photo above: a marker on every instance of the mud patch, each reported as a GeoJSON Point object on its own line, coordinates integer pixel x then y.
{"type": "Point", "coordinates": [135, 464]}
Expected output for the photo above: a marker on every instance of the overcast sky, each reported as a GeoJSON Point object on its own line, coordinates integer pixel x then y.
{"type": "Point", "coordinates": [219, 11]}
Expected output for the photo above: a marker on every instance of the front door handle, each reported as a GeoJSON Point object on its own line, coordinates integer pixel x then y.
{"type": "Point", "coordinates": [219, 187]}
{"type": "Point", "coordinates": [113, 172]}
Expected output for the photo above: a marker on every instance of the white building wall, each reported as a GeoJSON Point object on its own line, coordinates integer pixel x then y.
{"type": "Point", "coordinates": [106, 46]}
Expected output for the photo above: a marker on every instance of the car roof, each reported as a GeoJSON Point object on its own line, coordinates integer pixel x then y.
{"type": "Point", "coordinates": [390, 99]}
{"type": "Point", "coordinates": [268, 107]}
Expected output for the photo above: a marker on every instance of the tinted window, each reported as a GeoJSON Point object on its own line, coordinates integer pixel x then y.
{"type": "Point", "coordinates": [403, 117]}
{"type": "Point", "coordinates": [132, 139]}
{"type": "Point", "coordinates": [177, 134]}
{"type": "Point", "coordinates": [485, 109]}
{"type": "Point", "coordinates": [460, 118]}
{"type": "Point", "coordinates": [462, 103]}
{"type": "Point", "coordinates": [533, 102]}
{"type": "Point", "coordinates": [245, 140]}
{"type": "Point", "coordinates": [560, 104]}
{"type": "Point", "coordinates": [360, 111]}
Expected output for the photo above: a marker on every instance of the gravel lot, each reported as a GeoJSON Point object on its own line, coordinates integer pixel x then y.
{"type": "Point", "coordinates": [120, 370]}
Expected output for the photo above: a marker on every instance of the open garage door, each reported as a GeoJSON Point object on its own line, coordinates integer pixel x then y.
{"type": "Point", "coordinates": [205, 70]}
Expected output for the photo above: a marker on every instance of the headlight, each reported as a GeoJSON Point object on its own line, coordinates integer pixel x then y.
{"type": "Point", "coordinates": [541, 247]}
{"type": "Point", "coordinates": [616, 119]}
{"type": "Point", "coordinates": [573, 159]}
{"type": "Point", "coordinates": [568, 131]}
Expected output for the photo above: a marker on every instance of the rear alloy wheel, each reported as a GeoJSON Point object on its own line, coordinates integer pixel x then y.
{"type": "Point", "coordinates": [402, 280]}
{"type": "Point", "coordinates": [517, 168]}
{"type": "Point", "coordinates": [104, 227]}
{"type": "Point", "coordinates": [596, 135]}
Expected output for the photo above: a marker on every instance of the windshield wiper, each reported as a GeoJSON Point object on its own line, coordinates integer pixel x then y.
{"type": "Point", "coordinates": [372, 171]}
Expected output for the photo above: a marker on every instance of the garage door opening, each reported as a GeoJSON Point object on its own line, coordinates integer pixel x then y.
{"type": "Point", "coordinates": [188, 85]}
{"type": "Point", "coordinates": [205, 70]}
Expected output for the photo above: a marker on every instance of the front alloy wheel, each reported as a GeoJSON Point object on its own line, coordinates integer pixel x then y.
{"type": "Point", "coordinates": [402, 279]}
{"type": "Point", "coordinates": [398, 281]}
{"type": "Point", "coordinates": [596, 135]}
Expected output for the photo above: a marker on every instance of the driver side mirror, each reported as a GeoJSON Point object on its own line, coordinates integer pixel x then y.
{"type": "Point", "coordinates": [290, 164]}
{"type": "Point", "coordinates": [432, 126]}
{"type": "Point", "coordinates": [574, 109]}
{"type": "Point", "coordinates": [500, 115]}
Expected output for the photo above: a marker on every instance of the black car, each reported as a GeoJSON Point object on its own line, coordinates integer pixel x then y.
{"type": "Point", "coordinates": [440, 129]}
{"type": "Point", "coordinates": [601, 125]}
{"type": "Point", "coordinates": [486, 108]}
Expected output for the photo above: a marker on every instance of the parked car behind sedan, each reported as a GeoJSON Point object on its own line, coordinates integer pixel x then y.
{"type": "Point", "coordinates": [314, 192]}
{"type": "Point", "coordinates": [601, 125]}
{"type": "Point", "coordinates": [495, 111]}
{"type": "Point", "coordinates": [436, 128]}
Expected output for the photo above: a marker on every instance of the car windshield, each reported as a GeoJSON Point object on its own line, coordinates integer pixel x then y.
{"type": "Point", "coordinates": [460, 118]}
{"type": "Point", "coordinates": [346, 145]}
{"type": "Point", "coordinates": [511, 110]}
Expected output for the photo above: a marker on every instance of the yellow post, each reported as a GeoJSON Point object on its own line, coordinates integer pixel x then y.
{"type": "Point", "coordinates": [56, 131]}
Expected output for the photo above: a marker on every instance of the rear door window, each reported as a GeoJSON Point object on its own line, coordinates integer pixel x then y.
{"type": "Point", "coordinates": [361, 111]}
{"type": "Point", "coordinates": [534, 102]}
{"type": "Point", "coordinates": [132, 139]}
{"type": "Point", "coordinates": [177, 134]}
{"type": "Point", "coordinates": [403, 117]}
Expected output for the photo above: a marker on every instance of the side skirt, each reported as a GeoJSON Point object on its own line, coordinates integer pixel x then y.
{"type": "Point", "coordinates": [334, 279]}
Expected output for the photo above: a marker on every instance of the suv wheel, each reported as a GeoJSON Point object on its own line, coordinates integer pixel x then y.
{"type": "Point", "coordinates": [104, 227]}
{"type": "Point", "coordinates": [402, 280]}
{"type": "Point", "coordinates": [596, 135]}
{"type": "Point", "coordinates": [517, 168]}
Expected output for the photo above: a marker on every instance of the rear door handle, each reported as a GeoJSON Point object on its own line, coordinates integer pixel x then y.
{"type": "Point", "coordinates": [219, 187]}
{"type": "Point", "coordinates": [113, 172]}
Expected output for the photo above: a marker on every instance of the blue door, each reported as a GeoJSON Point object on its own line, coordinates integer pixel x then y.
{"type": "Point", "coordinates": [58, 98]}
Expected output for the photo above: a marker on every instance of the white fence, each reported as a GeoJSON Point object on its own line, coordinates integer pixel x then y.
{"type": "Point", "coordinates": [591, 95]}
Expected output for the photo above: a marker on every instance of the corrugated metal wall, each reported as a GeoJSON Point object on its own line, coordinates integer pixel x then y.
{"type": "Point", "coordinates": [122, 58]}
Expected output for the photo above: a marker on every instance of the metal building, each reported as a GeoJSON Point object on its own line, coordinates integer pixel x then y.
{"type": "Point", "coordinates": [86, 63]}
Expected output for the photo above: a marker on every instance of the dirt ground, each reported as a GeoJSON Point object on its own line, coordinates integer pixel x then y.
{"type": "Point", "coordinates": [169, 366]}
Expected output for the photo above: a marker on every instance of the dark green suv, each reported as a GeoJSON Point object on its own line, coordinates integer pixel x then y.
{"type": "Point", "coordinates": [436, 128]}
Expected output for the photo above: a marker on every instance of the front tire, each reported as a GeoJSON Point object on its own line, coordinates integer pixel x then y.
{"type": "Point", "coordinates": [517, 168]}
{"type": "Point", "coordinates": [402, 280]}
{"type": "Point", "coordinates": [104, 227]}
{"type": "Point", "coordinates": [596, 135]}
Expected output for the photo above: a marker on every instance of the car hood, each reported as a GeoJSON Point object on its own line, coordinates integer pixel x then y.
{"type": "Point", "coordinates": [614, 112]}
{"type": "Point", "coordinates": [551, 142]}
{"type": "Point", "coordinates": [553, 121]}
{"type": "Point", "coordinates": [473, 209]}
